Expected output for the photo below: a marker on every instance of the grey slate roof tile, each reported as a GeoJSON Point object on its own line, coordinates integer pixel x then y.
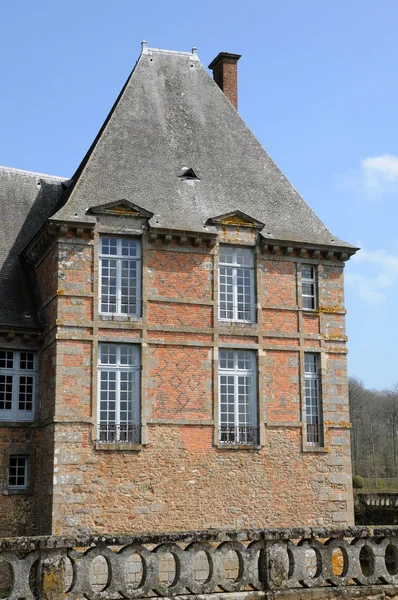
{"type": "Point", "coordinates": [26, 201]}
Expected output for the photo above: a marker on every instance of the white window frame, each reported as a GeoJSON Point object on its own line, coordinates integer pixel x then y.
{"type": "Point", "coordinates": [238, 430]}
{"type": "Point", "coordinates": [16, 372]}
{"type": "Point", "coordinates": [313, 401]}
{"type": "Point", "coordinates": [119, 258]}
{"type": "Point", "coordinates": [115, 431]}
{"type": "Point", "coordinates": [235, 266]}
{"type": "Point", "coordinates": [25, 460]}
{"type": "Point", "coordinates": [309, 281]}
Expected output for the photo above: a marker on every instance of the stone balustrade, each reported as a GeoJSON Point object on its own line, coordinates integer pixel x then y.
{"type": "Point", "coordinates": [388, 499]}
{"type": "Point", "coordinates": [264, 563]}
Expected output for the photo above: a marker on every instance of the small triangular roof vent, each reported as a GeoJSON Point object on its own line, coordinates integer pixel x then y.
{"type": "Point", "coordinates": [189, 174]}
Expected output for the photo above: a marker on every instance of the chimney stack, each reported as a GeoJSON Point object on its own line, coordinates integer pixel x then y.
{"type": "Point", "coordinates": [225, 74]}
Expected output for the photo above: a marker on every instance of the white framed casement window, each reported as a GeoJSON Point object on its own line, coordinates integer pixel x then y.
{"type": "Point", "coordinates": [237, 397]}
{"type": "Point", "coordinates": [18, 472]}
{"type": "Point", "coordinates": [120, 276]}
{"type": "Point", "coordinates": [236, 284]}
{"type": "Point", "coordinates": [17, 385]}
{"type": "Point", "coordinates": [119, 393]}
{"type": "Point", "coordinates": [308, 287]}
{"type": "Point", "coordinates": [313, 400]}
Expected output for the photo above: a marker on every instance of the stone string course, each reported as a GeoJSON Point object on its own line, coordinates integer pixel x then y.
{"type": "Point", "coordinates": [358, 562]}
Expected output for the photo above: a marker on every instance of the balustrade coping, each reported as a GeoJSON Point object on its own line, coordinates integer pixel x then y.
{"type": "Point", "coordinates": [29, 543]}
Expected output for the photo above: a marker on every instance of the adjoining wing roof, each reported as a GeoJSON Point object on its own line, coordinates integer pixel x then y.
{"type": "Point", "coordinates": [170, 117]}
{"type": "Point", "coordinates": [26, 201]}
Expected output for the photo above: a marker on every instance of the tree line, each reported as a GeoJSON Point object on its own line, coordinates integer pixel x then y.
{"type": "Point", "coordinates": [374, 417]}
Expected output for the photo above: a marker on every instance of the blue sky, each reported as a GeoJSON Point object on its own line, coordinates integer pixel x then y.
{"type": "Point", "coordinates": [318, 86]}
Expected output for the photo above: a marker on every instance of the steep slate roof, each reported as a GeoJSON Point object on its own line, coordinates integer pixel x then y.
{"type": "Point", "coordinates": [26, 201]}
{"type": "Point", "coordinates": [170, 117]}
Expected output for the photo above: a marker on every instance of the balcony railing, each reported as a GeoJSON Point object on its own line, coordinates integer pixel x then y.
{"type": "Point", "coordinates": [238, 434]}
{"type": "Point", "coordinates": [110, 433]}
{"type": "Point", "coordinates": [315, 434]}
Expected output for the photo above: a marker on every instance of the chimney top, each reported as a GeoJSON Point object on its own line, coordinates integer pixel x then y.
{"type": "Point", "coordinates": [227, 56]}
{"type": "Point", "coordinates": [225, 74]}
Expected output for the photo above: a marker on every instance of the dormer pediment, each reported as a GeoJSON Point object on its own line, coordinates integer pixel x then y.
{"type": "Point", "coordinates": [120, 208]}
{"type": "Point", "coordinates": [236, 218]}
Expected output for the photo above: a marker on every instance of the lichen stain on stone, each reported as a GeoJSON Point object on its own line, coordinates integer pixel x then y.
{"type": "Point", "coordinates": [336, 308]}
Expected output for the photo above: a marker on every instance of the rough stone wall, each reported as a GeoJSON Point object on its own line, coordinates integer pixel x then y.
{"type": "Point", "coordinates": [180, 477]}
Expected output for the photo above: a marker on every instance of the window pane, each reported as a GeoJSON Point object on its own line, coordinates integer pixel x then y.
{"type": "Point", "coordinates": [307, 273]}
{"type": "Point", "coordinates": [226, 255]}
{"type": "Point", "coordinates": [129, 287]}
{"type": "Point", "coordinates": [226, 359]}
{"type": "Point", "coordinates": [6, 392]}
{"type": "Point", "coordinates": [108, 285]}
{"type": "Point", "coordinates": [109, 246]}
{"type": "Point", "coordinates": [130, 248]}
{"type": "Point", "coordinates": [25, 393]}
{"type": "Point", "coordinates": [108, 354]}
{"type": "Point", "coordinates": [27, 360]}
{"type": "Point", "coordinates": [6, 359]}
{"type": "Point", "coordinates": [310, 363]}
{"type": "Point", "coordinates": [244, 257]}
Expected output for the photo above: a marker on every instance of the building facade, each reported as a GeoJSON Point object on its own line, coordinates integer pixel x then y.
{"type": "Point", "coordinates": [172, 327]}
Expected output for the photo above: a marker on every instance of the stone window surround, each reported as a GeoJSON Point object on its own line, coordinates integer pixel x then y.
{"type": "Point", "coordinates": [137, 282]}
{"type": "Point", "coordinates": [311, 281]}
{"type": "Point", "coordinates": [250, 271]}
{"type": "Point", "coordinates": [118, 368]}
{"type": "Point", "coordinates": [18, 450]}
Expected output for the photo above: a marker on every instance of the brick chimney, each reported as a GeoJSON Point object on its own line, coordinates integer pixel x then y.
{"type": "Point", "coordinates": [225, 74]}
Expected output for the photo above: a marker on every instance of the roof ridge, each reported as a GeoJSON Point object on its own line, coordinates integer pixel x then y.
{"type": "Point", "coordinates": [193, 54]}
{"type": "Point", "coordinates": [24, 171]}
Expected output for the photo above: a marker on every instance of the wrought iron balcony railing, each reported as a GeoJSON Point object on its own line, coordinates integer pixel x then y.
{"type": "Point", "coordinates": [238, 434]}
{"type": "Point", "coordinates": [110, 433]}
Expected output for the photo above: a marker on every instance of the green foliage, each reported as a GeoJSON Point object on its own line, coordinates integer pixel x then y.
{"type": "Point", "coordinates": [358, 482]}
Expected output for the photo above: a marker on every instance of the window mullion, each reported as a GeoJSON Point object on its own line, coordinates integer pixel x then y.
{"type": "Point", "coordinates": [235, 293]}
{"type": "Point", "coordinates": [15, 386]}
{"type": "Point", "coordinates": [118, 286]}
{"type": "Point", "coordinates": [117, 415]}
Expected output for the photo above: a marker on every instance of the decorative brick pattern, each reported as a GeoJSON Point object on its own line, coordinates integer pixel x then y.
{"type": "Point", "coordinates": [282, 321]}
{"type": "Point", "coordinates": [278, 280]}
{"type": "Point", "coordinates": [281, 386]}
{"type": "Point", "coordinates": [180, 274]}
{"type": "Point", "coordinates": [180, 315]}
{"type": "Point", "coordinates": [182, 383]}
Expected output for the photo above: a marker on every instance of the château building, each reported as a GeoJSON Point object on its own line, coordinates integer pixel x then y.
{"type": "Point", "coordinates": [172, 327]}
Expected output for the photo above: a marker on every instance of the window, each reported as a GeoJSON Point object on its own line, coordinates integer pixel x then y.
{"type": "Point", "coordinates": [119, 384]}
{"type": "Point", "coordinates": [237, 390]}
{"type": "Point", "coordinates": [120, 276]}
{"type": "Point", "coordinates": [308, 286]}
{"type": "Point", "coordinates": [313, 401]}
{"type": "Point", "coordinates": [17, 385]}
{"type": "Point", "coordinates": [18, 472]}
{"type": "Point", "coordinates": [236, 284]}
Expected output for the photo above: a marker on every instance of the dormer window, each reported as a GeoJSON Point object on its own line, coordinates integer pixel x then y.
{"type": "Point", "coordinates": [236, 284]}
{"type": "Point", "coordinates": [120, 276]}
